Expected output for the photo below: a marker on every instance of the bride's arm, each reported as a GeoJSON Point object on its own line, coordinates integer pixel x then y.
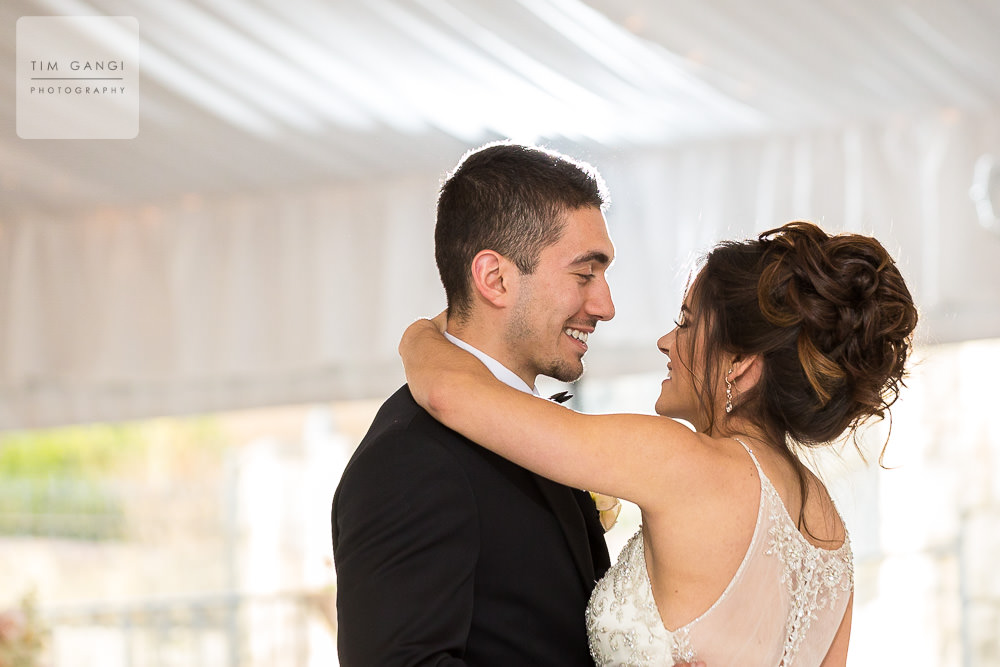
{"type": "Point", "coordinates": [628, 456]}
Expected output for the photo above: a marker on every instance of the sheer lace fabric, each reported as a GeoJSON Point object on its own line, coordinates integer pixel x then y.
{"type": "Point", "coordinates": [782, 607]}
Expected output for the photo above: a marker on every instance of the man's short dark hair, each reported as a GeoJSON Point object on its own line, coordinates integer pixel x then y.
{"type": "Point", "coordinates": [510, 198]}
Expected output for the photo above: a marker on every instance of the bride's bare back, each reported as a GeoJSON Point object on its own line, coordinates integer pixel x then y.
{"type": "Point", "coordinates": [771, 598]}
{"type": "Point", "coordinates": [694, 548]}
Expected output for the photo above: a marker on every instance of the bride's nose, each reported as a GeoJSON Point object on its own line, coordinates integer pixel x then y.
{"type": "Point", "coordinates": [664, 342]}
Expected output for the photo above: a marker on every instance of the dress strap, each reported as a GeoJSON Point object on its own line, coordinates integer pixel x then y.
{"type": "Point", "coordinates": [760, 472]}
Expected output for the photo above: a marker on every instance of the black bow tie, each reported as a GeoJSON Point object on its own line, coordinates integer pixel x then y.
{"type": "Point", "coordinates": [561, 397]}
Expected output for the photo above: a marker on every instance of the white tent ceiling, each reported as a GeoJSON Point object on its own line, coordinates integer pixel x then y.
{"type": "Point", "coordinates": [241, 95]}
{"type": "Point", "coordinates": [283, 177]}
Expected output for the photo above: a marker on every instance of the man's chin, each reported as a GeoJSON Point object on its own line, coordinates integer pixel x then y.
{"type": "Point", "coordinates": [566, 372]}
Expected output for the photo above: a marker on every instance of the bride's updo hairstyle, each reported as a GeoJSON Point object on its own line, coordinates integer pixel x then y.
{"type": "Point", "coordinates": [830, 317]}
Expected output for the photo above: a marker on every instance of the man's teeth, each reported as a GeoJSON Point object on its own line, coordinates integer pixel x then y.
{"type": "Point", "coordinates": [579, 335]}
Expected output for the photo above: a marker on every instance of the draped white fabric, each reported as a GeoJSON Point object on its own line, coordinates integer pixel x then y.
{"type": "Point", "coordinates": [907, 183]}
{"type": "Point", "coordinates": [199, 304]}
{"type": "Point", "coordinates": [196, 306]}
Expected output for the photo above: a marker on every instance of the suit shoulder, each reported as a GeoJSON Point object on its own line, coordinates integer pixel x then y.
{"type": "Point", "coordinates": [401, 416]}
{"type": "Point", "coordinates": [404, 464]}
{"type": "Point", "coordinates": [404, 434]}
{"type": "Point", "coordinates": [398, 412]}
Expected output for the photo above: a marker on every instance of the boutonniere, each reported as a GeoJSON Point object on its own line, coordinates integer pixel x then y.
{"type": "Point", "coordinates": [608, 507]}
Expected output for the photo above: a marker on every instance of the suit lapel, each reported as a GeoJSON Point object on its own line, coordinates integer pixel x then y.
{"type": "Point", "coordinates": [569, 510]}
{"type": "Point", "coordinates": [573, 509]}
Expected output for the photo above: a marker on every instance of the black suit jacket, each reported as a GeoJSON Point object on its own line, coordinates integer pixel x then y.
{"type": "Point", "coordinates": [448, 554]}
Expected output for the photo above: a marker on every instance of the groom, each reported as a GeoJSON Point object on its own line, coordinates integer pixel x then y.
{"type": "Point", "coordinates": [447, 554]}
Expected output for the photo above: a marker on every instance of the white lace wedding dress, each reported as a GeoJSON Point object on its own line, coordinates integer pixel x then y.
{"type": "Point", "coordinates": [782, 607]}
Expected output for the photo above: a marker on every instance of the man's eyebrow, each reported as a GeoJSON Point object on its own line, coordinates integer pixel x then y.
{"type": "Point", "coordinates": [593, 256]}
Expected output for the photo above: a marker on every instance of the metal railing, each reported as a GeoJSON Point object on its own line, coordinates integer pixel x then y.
{"type": "Point", "coordinates": [223, 630]}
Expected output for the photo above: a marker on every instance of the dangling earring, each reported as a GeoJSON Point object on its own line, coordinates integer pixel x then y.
{"type": "Point", "coordinates": [729, 391]}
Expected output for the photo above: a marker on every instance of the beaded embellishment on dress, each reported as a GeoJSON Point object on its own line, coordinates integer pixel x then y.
{"type": "Point", "coordinates": [623, 623]}
{"type": "Point", "coordinates": [813, 577]}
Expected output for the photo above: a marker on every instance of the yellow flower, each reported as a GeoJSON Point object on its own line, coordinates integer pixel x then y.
{"type": "Point", "coordinates": [608, 507]}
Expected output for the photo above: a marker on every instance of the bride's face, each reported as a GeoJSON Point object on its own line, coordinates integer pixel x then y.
{"type": "Point", "coordinates": [684, 345]}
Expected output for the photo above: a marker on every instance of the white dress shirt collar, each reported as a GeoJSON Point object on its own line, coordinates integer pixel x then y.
{"type": "Point", "coordinates": [499, 371]}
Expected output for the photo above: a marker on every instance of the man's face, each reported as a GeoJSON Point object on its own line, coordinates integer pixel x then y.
{"type": "Point", "coordinates": [559, 304]}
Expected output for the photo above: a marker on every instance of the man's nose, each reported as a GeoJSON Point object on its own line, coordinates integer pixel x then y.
{"type": "Point", "coordinates": [600, 303]}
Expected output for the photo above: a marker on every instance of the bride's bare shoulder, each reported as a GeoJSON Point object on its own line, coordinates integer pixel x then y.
{"type": "Point", "coordinates": [712, 472]}
{"type": "Point", "coordinates": [818, 520]}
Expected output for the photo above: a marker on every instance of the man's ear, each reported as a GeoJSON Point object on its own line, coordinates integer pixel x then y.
{"type": "Point", "coordinates": [746, 371]}
{"type": "Point", "coordinates": [493, 276]}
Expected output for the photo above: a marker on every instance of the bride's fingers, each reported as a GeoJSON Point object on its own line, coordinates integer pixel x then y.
{"type": "Point", "coordinates": [441, 321]}
{"type": "Point", "coordinates": [407, 339]}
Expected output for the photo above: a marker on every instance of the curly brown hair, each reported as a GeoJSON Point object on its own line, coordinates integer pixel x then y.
{"type": "Point", "coordinates": [830, 318]}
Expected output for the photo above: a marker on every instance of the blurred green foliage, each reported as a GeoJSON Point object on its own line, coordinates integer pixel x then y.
{"type": "Point", "coordinates": [81, 451]}
{"type": "Point", "coordinates": [67, 482]}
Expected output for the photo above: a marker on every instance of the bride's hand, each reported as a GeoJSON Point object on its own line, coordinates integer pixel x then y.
{"type": "Point", "coordinates": [423, 327]}
{"type": "Point", "coordinates": [420, 349]}
{"type": "Point", "coordinates": [441, 321]}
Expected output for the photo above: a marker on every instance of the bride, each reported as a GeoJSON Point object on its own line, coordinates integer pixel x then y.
{"type": "Point", "coordinates": [787, 341]}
